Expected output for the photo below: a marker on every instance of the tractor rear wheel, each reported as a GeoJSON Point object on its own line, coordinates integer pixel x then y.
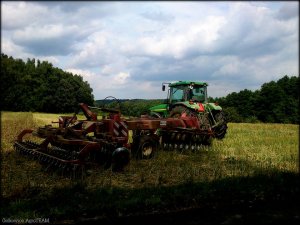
{"type": "Point", "coordinates": [221, 129]}
{"type": "Point", "coordinates": [179, 111]}
{"type": "Point", "coordinates": [155, 115]}
{"type": "Point", "coordinates": [203, 120]}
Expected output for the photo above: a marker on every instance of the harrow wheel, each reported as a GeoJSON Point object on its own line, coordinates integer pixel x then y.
{"type": "Point", "coordinates": [145, 146]}
{"type": "Point", "coordinates": [120, 158]}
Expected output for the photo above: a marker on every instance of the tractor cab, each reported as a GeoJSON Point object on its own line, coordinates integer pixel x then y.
{"type": "Point", "coordinates": [186, 91]}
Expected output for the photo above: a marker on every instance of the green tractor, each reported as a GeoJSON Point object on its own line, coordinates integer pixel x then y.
{"type": "Point", "coordinates": [187, 98]}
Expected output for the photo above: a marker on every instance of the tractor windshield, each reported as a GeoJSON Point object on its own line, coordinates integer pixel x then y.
{"type": "Point", "coordinates": [177, 94]}
{"type": "Point", "coordinates": [197, 93]}
{"type": "Point", "coordinates": [185, 93]}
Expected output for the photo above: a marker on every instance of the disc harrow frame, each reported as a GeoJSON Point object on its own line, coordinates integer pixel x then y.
{"type": "Point", "coordinates": [109, 141]}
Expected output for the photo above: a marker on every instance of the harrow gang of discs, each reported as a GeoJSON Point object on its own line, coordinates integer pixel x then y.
{"type": "Point", "coordinates": [65, 164]}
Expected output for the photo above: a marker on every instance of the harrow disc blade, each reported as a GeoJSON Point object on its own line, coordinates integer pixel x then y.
{"type": "Point", "coordinates": [59, 160]}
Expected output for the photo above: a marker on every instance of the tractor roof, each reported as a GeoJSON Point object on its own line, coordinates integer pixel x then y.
{"type": "Point", "coordinates": [188, 83]}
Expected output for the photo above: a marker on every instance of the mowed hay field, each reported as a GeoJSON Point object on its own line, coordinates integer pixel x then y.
{"type": "Point", "coordinates": [250, 154]}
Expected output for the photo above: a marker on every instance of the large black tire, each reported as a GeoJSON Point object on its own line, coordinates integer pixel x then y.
{"type": "Point", "coordinates": [120, 158]}
{"type": "Point", "coordinates": [155, 115]}
{"type": "Point", "coordinates": [145, 146]}
{"type": "Point", "coordinates": [221, 129]}
{"type": "Point", "coordinates": [178, 111]}
{"type": "Point", "coordinates": [204, 122]}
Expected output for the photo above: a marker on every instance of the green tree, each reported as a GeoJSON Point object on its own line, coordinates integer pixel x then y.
{"type": "Point", "coordinates": [39, 86]}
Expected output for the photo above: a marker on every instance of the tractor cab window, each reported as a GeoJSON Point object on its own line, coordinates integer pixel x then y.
{"type": "Point", "coordinates": [197, 94]}
{"type": "Point", "coordinates": [177, 94]}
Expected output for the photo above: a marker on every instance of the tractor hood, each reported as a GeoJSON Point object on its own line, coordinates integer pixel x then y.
{"type": "Point", "coordinates": [159, 108]}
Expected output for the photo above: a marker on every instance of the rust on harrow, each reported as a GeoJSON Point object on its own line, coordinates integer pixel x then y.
{"type": "Point", "coordinates": [110, 141]}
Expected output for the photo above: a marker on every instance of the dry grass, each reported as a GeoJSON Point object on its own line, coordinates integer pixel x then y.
{"type": "Point", "coordinates": [248, 149]}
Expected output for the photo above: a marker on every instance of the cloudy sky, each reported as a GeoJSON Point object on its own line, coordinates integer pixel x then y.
{"type": "Point", "coordinates": [127, 49]}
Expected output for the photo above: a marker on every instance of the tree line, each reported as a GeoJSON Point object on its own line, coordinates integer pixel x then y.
{"type": "Point", "coordinates": [275, 102]}
{"type": "Point", "coordinates": [38, 86]}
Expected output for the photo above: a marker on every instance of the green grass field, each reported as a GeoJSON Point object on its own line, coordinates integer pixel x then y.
{"type": "Point", "coordinates": [249, 161]}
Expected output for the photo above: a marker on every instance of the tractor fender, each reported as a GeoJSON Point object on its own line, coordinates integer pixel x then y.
{"type": "Point", "coordinates": [159, 108]}
{"type": "Point", "coordinates": [187, 105]}
{"type": "Point", "coordinates": [212, 107]}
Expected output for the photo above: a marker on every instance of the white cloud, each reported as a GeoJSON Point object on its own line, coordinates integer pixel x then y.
{"type": "Point", "coordinates": [45, 32]}
{"type": "Point", "coordinates": [231, 68]}
{"type": "Point", "coordinates": [97, 50]}
{"type": "Point", "coordinates": [288, 10]}
{"type": "Point", "coordinates": [121, 78]}
{"type": "Point", "coordinates": [103, 83]}
{"type": "Point", "coordinates": [177, 39]}
{"type": "Point", "coordinates": [86, 74]}
{"type": "Point", "coordinates": [10, 48]}
{"type": "Point", "coordinates": [20, 14]}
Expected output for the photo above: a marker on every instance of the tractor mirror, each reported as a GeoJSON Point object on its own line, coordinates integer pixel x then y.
{"type": "Point", "coordinates": [163, 87]}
